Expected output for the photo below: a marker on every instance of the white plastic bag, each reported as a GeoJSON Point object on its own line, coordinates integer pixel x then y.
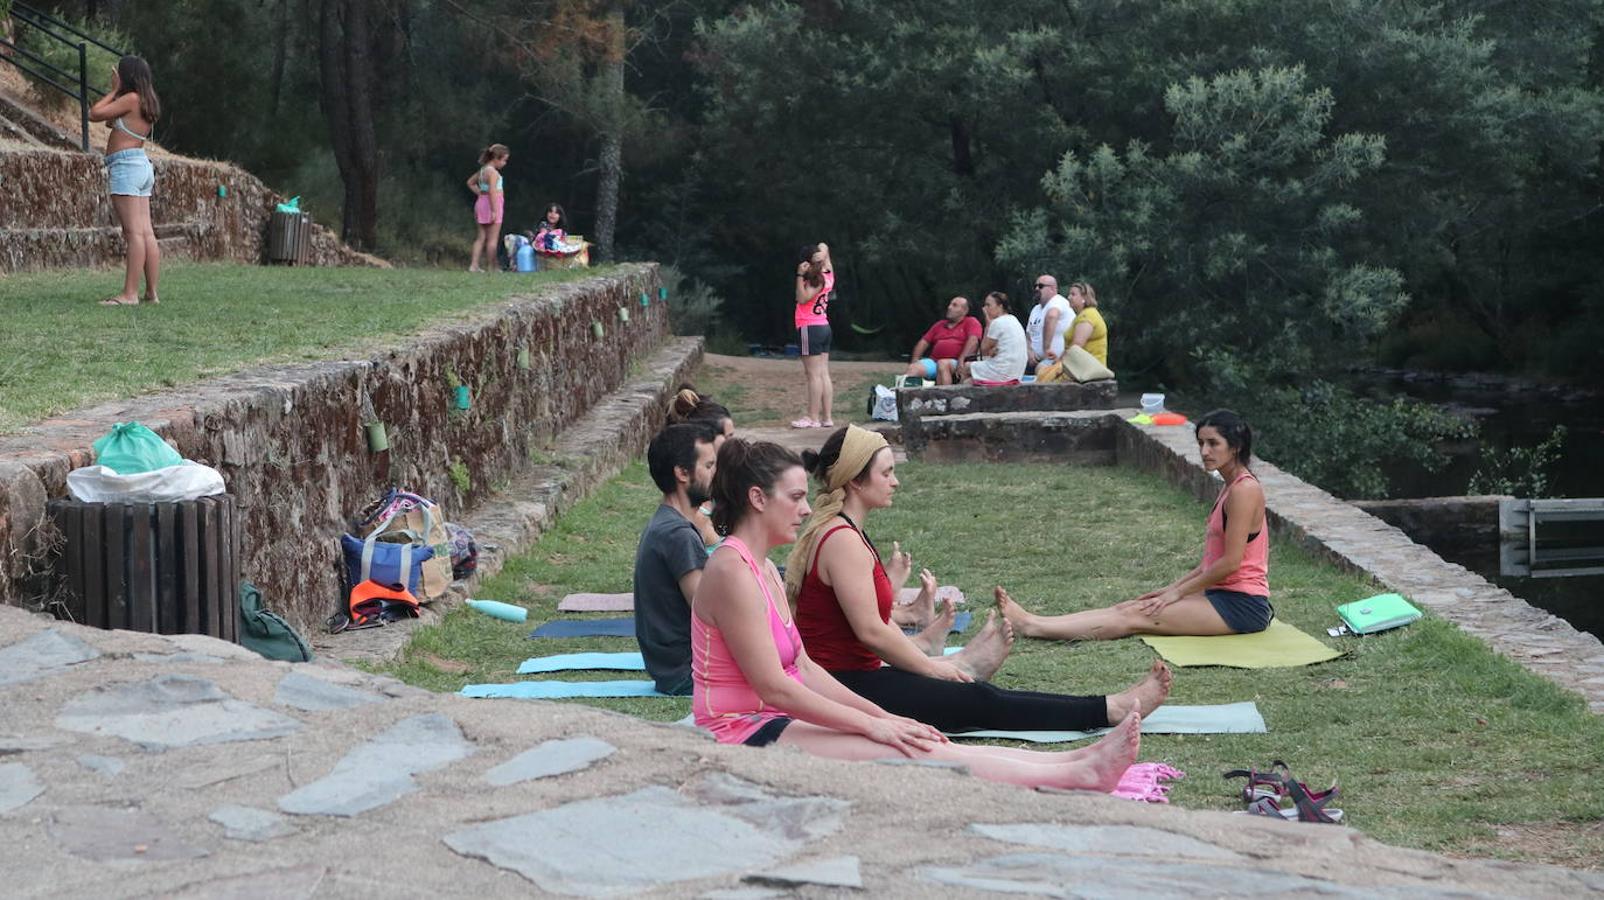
{"type": "Point", "coordinates": [885, 404]}
{"type": "Point", "coordinates": [186, 481]}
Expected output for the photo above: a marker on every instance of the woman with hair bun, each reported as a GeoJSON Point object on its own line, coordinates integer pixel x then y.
{"type": "Point", "coordinates": [754, 684]}
{"type": "Point", "coordinates": [1227, 593]}
{"type": "Point", "coordinates": [689, 407]}
{"type": "Point", "coordinates": [488, 204]}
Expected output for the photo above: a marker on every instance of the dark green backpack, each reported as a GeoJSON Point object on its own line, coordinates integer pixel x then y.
{"type": "Point", "coordinates": [267, 633]}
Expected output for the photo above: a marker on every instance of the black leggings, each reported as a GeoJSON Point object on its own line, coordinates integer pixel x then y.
{"type": "Point", "coordinates": [960, 706]}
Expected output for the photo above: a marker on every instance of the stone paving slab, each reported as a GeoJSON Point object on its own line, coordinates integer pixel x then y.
{"type": "Point", "coordinates": [161, 826]}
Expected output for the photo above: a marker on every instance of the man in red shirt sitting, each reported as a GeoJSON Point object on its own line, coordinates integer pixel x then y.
{"type": "Point", "coordinates": [948, 342]}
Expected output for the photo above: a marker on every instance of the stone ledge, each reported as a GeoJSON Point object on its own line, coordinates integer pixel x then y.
{"type": "Point", "coordinates": [1085, 437]}
{"type": "Point", "coordinates": [290, 443]}
{"type": "Point", "coordinates": [592, 450]}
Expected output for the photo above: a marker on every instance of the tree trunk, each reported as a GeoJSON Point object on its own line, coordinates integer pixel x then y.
{"type": "Point", "coordinates": [346, 76]}
{"type": "Point", "coordinates": [281, 40]}
{"type": "Point", "coordinates": [612, 138]}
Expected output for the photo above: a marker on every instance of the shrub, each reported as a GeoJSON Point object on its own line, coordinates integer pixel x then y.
{"type": "Point", "coordinates": [1518, 471]}
{"type": "Point", "coordinates": [65, 57]}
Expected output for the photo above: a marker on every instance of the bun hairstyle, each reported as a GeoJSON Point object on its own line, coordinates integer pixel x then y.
{"type": "Point", "coordinates": [814, 277]}
{"type": "Point", "coordinates": [689, 406]}
{"type": "Point", "coordinates": [1087, 292]}
{"type": "Point", "coordinates": [493, 152]}
{"type": "Point", "coordinates": [819, 464]}
{"type": "Point", "coordinates": [743, 465]}
{"type": "Point", "coordinates": [133, 76]}
{"type": "Point", "coordinates": [1002, 301]}
{"type": "Point", "coordinates": [1234, 429]}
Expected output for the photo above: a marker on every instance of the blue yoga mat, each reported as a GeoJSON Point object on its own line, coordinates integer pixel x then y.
{"type": "Point", "coordinates": [959, 623]}
{"type": "Point", "coordinates": [1226, 718]}
{"type": "Point", "coordinates": [561, 628]}
{"type": "Point", "coordinates": [556, 690]}
{"type": "Point", "coordinates": [580, 662]}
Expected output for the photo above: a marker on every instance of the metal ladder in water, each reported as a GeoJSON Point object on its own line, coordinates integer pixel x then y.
{"type": "Point", "coordinates": [1521, 553]}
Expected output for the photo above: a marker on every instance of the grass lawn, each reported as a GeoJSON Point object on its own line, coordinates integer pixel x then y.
{"type": "Point", "coordinates": [59, 350]}
{"type": "Point", "coordinates": [1438, 743]}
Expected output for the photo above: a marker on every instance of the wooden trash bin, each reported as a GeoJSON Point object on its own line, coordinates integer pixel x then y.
{"type": "Point", "coordinates": [289, 238]}
{"type": "Point", "coordinates": [169, 568]}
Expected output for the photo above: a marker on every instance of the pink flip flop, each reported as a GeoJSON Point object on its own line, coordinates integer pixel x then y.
{"type": "Point", "coordinates": [804, 422]}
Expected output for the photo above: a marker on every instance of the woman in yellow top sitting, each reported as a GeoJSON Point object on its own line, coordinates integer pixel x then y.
{"type": "Point", "coordinates": [1087, 330]}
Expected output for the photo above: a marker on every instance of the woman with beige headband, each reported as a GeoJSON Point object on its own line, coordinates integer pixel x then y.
{"type": "Point", "coordinates": [753, 683]}
{"type": "Point", "coordinates": [842, 594]}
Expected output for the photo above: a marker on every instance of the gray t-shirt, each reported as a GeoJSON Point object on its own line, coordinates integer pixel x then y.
{"type": "Point", "coordinates": [670, 547]}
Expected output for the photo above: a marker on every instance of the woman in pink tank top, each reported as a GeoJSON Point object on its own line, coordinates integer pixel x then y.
{"type": "Point", "coordinates": [1227, 593]}
{"type": "Point", "coordinates": [755, 685]}
{"type": "Point", "coordinates": [815, 285]}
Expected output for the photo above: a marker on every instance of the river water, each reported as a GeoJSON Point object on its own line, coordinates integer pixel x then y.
{"type": "Point", "coordinates": [1521, 415]}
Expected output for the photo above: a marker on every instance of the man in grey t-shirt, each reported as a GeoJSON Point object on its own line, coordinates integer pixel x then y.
{"type": "Point", "coordinates": [669, 560]}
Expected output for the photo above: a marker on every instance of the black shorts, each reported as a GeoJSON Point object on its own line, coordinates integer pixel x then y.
{"type": "Point", "coordinates": [1243, 613]}
{"type": "Point", "coordinates": [768, 733]}
{"type": "Point", "coordinates": [813, 339]}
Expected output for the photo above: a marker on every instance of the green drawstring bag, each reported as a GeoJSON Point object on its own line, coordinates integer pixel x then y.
{"type": "Point", "coordinates": [267, 633]}
{"type": "Point", "coordinates": [130, 448]}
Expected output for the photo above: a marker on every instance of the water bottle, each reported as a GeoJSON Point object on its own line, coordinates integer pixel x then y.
{"type": "Point", "coordinates": [526, 257]}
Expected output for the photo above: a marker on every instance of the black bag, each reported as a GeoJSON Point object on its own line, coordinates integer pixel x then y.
{"type": "Point", "coordinates": [267, 633]}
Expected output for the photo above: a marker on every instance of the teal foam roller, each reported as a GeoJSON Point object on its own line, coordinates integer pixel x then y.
{"type": "Point", "coordinates": [497, 609]}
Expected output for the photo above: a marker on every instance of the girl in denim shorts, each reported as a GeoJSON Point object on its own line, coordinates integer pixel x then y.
{"type": "Point", "coordinates": [130, 112]}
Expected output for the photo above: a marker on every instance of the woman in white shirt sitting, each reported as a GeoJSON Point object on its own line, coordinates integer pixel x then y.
{"type": "Point", "coordinates": [1003, 350]}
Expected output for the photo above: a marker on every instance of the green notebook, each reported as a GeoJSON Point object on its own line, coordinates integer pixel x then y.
{"type": "Point", "coordinates": [1378, 613]}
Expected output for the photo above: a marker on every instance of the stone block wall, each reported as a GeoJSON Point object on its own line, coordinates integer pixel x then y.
{"type": "Point", "coordinates": [56, 213]}
{"type": "Point", "coordinates": [1081, 438]}
{"type": "Point", "coordinates": [916, 405]}
{"type": "Point", "coordinates": [1453, 525]}
{"type": "Point", "coordinates": [291, 445]}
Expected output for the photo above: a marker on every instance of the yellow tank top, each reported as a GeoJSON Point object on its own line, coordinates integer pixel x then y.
{"type": "Point", "coordinates": [1097, 344]}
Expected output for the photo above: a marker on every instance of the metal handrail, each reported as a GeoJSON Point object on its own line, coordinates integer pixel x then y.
{"type": "Point", "coordinates": [43, 23]}
{"type": "Point", "coordinates": [28, 12]}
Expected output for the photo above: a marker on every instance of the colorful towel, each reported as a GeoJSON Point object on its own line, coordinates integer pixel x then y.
{"type": "Point", "coordinates": [556, 690]}
{"type": "Point", "coordinates": [1277, 646]}
{"type": "Point", "coordinates": [563, 628]}
{"type": "Point", "coordinates": [1141, 782]}
{"type": "Point", "coordinates": [626, 602]}
{"type": "Point", "coordinates": [1225, 718]}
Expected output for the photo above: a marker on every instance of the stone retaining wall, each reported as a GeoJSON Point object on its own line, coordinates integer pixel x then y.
{"type": "Point", "coordinates": [1452, 525]}
{"type": "Point", "coordinates": [290, 439]}
{"type": "Point", "coordinates": [915, 405]}
{"type": "Point", "coordinates": [1083, 438]}
{"type": "Point", "coordinates": [57, 214]}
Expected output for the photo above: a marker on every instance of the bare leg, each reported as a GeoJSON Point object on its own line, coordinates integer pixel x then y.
{"type": "Point", "coordinates": [153, 250]}
{"type": "Point", "coordinates": [480, 240]}
{"type": "Point", "coordinates": [1191, 615]}
{"type": "Point", "coordinates": [810, 366]}
{"type": "Point", "coordinates": [914, 370]}
{"type": "Point", "coordinates": [932, 639]}
{"type": "Point", "coordinates": [1095, 768]}
{"type": "Point", "coordinates": [133, 214]}
{"type": "Point", "coordinates": [984, 655]}
{"type": "Point", "coordinates": [1144, 696]}
{"type": "Point", "coordinates": [491, 240]}
{"type": "Point", "coordinates": [826, 391]}
{"type": "Point", "coordinates": [945, 369]}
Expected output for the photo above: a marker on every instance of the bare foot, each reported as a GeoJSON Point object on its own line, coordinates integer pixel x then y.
{"type": "Point", "coordinates": [1026, 624]}
{"type": "Point", "coordinates": [150, 299]}
{"type": "Point", "coordinates": [933, 638]}
{"type": "Point", "coordinates": [1104, 763]}
{"type": "Point", "coordinates": [120, 300]}
{"type": "Point", "coordinates": [916, 614]}
{"type": "Point", "coordinates": [1144, 696]}
{"type": "Point", "coordinates": [984, 654]}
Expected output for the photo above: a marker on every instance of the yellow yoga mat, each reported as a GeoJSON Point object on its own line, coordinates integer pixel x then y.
{"type": "Point", "coordinates": [1276, 646]}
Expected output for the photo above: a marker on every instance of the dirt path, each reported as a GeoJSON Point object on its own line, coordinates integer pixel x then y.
{"type": "Point", "coordinates": [764, 392]}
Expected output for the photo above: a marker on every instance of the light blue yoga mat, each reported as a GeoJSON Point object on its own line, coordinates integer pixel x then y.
{"type": "Point", "coordinates": [579, 662]}
{"type": "Point", "coordinates": [556, 690]}
{"type": "Point", "coordinates": [561, 628]}
{"type": "Point", "coordinates": [959, 623]}
{"type": "Point", "coordinates": [1226, 718]}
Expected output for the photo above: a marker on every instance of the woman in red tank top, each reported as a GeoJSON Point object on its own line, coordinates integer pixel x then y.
{"type": "Point", "coordinates": [751, 690]}
{"type": "Point", "coordinates": [843, 595]}
{"type": "Point", "coordinates": [1227, 593]}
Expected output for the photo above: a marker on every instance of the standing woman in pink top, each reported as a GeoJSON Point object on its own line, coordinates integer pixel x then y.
{"type": "Point", "coordinates": [1227, 593]}
{"type": "Point", "coordinates": [487, 208]}
{"type": "Point", "coordinates": [815, 284]}
{"type": "Point", "coordinates": [754, 684]}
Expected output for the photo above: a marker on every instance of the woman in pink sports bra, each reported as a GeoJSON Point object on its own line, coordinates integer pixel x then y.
{"type": "Point", "coordinates": [815, 285]}
{"type": "Point", "coordinates": [754, 683]}
{"type": "Point", "coordinates": [1227, 593]}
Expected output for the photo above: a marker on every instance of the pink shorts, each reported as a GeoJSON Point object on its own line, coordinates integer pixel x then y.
{"type": "Point", "coordinates": [486, 213]}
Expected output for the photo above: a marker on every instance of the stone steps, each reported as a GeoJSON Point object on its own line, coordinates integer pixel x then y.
{"type": "Point", "coordinates": [17, 119]}
{"type": "Point", "coordinates": [92, 246]}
